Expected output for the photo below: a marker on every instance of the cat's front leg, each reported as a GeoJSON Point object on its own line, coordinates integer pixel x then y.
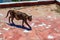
{"type": "Point", "coordinates": [27, 24]}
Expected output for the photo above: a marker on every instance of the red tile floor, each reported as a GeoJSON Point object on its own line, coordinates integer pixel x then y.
{"type": "Point", "coordinates": [45, 24]}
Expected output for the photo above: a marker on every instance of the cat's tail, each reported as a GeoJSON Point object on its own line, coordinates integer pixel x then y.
{"type": "Point", "coordinates": [8, 13]}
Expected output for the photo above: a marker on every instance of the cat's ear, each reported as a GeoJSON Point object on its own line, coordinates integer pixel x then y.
{"type": "Point", "coordinates": [30, 16]}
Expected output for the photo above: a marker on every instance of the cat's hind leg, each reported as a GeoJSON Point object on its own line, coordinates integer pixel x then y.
{"type": "Point", "coordinates": [12, 20]}
{"type": "Point", "coordinates": [22, 22]}
{"type": "Point", "coordinates": [9, 18]}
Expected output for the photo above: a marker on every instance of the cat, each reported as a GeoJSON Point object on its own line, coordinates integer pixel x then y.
{"type": "Point", "coordinates": [18, 15]}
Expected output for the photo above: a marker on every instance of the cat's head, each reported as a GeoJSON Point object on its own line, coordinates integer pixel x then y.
{"type": "Point", "coordinates": [30, 18]}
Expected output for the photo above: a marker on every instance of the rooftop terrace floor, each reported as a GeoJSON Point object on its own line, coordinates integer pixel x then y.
{"type": "Point", "coordinates": [45, 24]}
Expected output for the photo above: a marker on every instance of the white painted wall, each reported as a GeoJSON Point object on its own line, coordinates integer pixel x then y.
{"type": "Point", "coordinates": [45, 0]}
{"type": "Point", "coordinates": [6, 0]}
{"type": "Point", "coordinates": [40, 0]}
{"type": "Point", "coordinates": [58, 0]}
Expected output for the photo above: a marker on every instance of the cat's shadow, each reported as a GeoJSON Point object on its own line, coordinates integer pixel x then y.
{"type": "Point", "coordinates": [19, 26]}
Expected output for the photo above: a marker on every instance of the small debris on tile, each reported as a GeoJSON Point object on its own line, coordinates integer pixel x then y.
{"type": "Point", "coordinates": [1, 14]}
{"type": "Point", "coordinates": [26, 31]}
{"type": "Point", "coordinates": [35, 26]}
{"type": "Point", "coordinates": [50, 37]}
{"type": "Point", "coordinates": [6, 29]}
{"type": "Point", "coordinates": [49, 17]}
{"type": "Point", "coordinates": [57, 30]}
{"type": "Point", "coordinates": [0, 32]}
{"type": "Point", "coordinates": [42, 24]}
{"type": "Point", "coordinates": [48, 26]}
